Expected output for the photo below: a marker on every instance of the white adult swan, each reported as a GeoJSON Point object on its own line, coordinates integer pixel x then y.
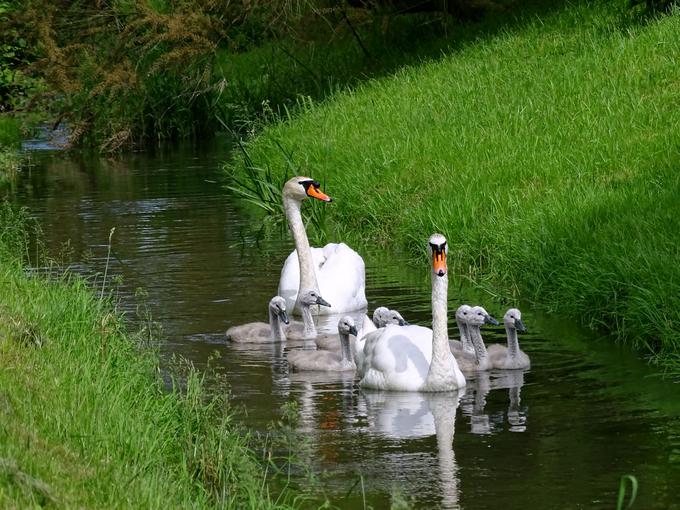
{"type": "Point", "coordinates": [479, 360]}
{"type": "Point", "coordinates": [414, 358]}
{"type": "Point", "coordinates": [328, 361]}
{"type": "Point", "coordinates": [510, 357]}
{"type": "Point", "coordinates": [335, 271]}
{"type": "Point", "coordinates": [306, 330]}
{"type": "Point", "coordinates": [261, 332]}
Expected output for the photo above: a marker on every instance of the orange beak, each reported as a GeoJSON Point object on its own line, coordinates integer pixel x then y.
{"type": "Point", "coordinates": [439, 262]}
{"type": "Point", "coordinates": [315, 192]}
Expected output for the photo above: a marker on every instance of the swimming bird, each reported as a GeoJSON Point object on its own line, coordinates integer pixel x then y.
{"type": "Point", "coordinates": [261, 332]}
{"type": "Point", "coordinates": [328, 361]}
{"type": "Point", "coordinates": [414, 358]}
{"type": "Point", "coordinates": [335, 271]}
{"type": "Point", "coordinates": [510, 357]}
{"type": "Point", "coordinates": [479, 361]}
{"type": "Point", "coordinates": [306, 330]}
{"type": "Point", "coordinates": [382, 316]}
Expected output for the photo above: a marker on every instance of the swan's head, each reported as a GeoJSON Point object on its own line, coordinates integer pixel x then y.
{"type": "Point", "coordinates": [438, 249]}
{"type": "Point", "coordinates": [346, 326]}
{"type": "Point", "coordinates": [462, 312]}
{"type": "Point", "coordinates": [299, 188]}
{"type": "Point", "coordinates": [382, 316]}
{"type": "Point", "coordinates": [277, 306]}
{"type": "Point", "coordinates": [513, 320]}
{"type": "Point", "coordinates": [478, 316]}
{"type": "Point", "coordinates": [396, 318]}
{"type": "Point", "coordinates": [312, 297]}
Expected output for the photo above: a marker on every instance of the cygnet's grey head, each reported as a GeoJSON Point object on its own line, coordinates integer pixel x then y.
{"type": "Point", "coordinates": [298, 188]}
{"type": "Point", "coordinates": [478, 316]}
{"type": "Point", "coordinates": [513, 319]}
{"type": "Point", "coordinates": [346, 326]}
{"type": "Point", "coordinates": [438, 250]}
{"type": "Point", "coordinates": [382, 316]}
{"type": "Point", "coordinates": [396, 318]}
{"type": "Point", "coordinates": [278, 306]}
{"type": "Point", "coordinates": [462, 311]}
{"type": "Point", "coordinates": [312, 297]}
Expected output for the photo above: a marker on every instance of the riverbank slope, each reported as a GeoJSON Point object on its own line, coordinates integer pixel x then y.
{"type": "Point", "coordinates": [86, 419]}
{"type": "Point", "coordinates": [547, 154]}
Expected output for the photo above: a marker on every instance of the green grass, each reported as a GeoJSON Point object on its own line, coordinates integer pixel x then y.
{"type": "Point", "coordinates": [85, 419]}
{"type": "Point", "coordinates": [548, 154]}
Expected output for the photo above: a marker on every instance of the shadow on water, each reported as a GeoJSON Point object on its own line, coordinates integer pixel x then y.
{"type": "Point", "coordinates": [557, 436]}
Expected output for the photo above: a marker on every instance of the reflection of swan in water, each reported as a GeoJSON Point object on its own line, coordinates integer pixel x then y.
{"type": "Point", "coordinates": [473, 403]}
{"type": "Point", "coordinates": [412, 415]}
{"type": "Point", "coordinates": [513, 380]}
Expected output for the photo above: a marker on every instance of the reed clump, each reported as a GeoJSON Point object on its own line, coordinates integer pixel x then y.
{"type": "Point", "coordinates": [546, 153]}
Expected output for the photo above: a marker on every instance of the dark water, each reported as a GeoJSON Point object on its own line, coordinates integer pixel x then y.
{"type": "Point", "coordinates": [558, 436]}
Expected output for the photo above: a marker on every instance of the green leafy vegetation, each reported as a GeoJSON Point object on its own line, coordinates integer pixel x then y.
{"type": "Point", "coordinates": [86, 419]}
{"type": "Point", "coordinates": [547, 153]}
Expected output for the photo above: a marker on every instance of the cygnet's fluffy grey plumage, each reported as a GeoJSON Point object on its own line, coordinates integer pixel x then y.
{"type": "Point", "coordinates": [261, 332]}
{"type": "Point", "coordinates": [328, 361]}
{"type": "Point", "coordinates": [479, 361]}
{"type": "Point", "coordinates": [305, 330]}
{"type": "Point", "coordinates": [464, 344]}
{"type": "Point", "coordinates": [510, 357]}
{"type": "Point", "coordinates": [382, 316]}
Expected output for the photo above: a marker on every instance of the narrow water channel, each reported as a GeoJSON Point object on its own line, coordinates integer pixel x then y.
{"type": "Point", "coordinates": [557, 436]}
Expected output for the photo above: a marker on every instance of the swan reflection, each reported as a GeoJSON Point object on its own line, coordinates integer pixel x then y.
{"type": "Point", "coordinates": [413, 415]}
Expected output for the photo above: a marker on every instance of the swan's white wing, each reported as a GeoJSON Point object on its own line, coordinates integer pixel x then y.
{"type": "Point", "coordinates": [366, 328]}
{"type": "Point", "coordinates": [397, 358]}
{"type": "Point", "coordinates": [342, 279]}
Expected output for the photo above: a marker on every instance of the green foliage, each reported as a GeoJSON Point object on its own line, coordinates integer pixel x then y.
{"type": "Point", "coordinates": [86, 419]}
{"type": "Point", "coordinates": [547, 155]}
{"type": "Point", "coordinates": [10, 132]}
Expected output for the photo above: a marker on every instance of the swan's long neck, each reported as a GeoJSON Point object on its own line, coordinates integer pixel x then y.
{"type": "Point", "coordinates": [309, 330]}
{"type": "Point", "coordinates": [345, 350]}
{"type": "Point", "coordinates": [304, 252]}
{"type": "Point", "coordinates": [513, 342]}
{"type": "Point", "coordinates": [440, 365]}
{"type": "Point", "coordinates": [275, 327]}
{"type": "Point", "coordinates": [480, 349]}
{"type": "Point", "coordinates": [464, 338]}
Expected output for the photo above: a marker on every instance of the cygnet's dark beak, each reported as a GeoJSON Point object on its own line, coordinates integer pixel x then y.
{"type": "Point", "coordinates": [519, 325]}
{"type": "Point", "coordinates": [284, 316]}
{"type": "Point", "coordinates": [353, 330]}
{"type": "Point", "coordinates": [490, 320]}
{"type": "Point", "coordinates": [402, 322]}
{"type": "Point", "coordinates": [321, 301]}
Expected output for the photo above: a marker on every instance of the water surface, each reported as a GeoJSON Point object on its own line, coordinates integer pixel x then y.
{"type": "Point", "coordinates": [557, 436]}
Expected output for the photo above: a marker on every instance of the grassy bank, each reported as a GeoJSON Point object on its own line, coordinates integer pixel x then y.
{"type": "Point", "coordinates": [547, 154]}
{"type": "Point", "coordinates": [85, 419]}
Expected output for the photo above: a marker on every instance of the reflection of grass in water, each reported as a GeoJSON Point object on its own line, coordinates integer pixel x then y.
{"type": "Point", "coordinates": [87, 421]}
{"type": "Point", "coordinates": [547, 156]}
{"type": "Point", "coordinates": [621, 499]}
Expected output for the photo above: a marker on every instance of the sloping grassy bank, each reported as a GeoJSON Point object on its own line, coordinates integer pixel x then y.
{"type": "Point", "coordinates": [548, 155]}
{"type": "Point", "coordinates": [85, 421]}
{"type": "Point", "coordinates": [10, 140]}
